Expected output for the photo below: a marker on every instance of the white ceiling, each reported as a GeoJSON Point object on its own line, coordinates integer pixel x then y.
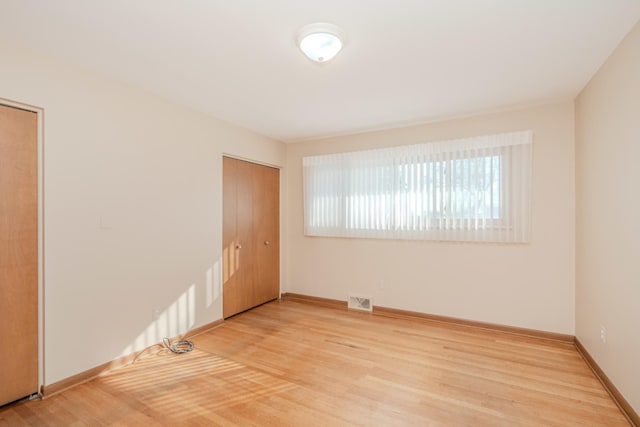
{"type": "Point", "coordinates": [404, 61]}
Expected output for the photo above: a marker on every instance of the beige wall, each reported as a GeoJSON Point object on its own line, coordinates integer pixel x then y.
{"type": "Point", "coordinates": [529, 286]}
{"type": "Point", "coordinates": [132, 210]}
{"type": "Point", "coordinates": [608, 215]}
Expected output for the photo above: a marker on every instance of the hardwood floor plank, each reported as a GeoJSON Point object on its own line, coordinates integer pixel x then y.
{"type": "Point", "coordinates": [293, 364]}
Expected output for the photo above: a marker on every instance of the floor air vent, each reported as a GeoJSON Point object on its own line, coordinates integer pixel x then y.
{"type": "Point", "coordinates": [358, 302]}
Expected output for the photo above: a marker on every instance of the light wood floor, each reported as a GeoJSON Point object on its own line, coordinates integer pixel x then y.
{"type": "Point", "coordinates": [290, 363]}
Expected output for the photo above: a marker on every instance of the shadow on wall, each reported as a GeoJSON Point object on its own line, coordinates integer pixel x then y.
{"type": "Point", "coordinates": [180, 316]}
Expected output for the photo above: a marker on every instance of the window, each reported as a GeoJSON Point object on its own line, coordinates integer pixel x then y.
{"type": "Point", "coordinates": [475, 189]}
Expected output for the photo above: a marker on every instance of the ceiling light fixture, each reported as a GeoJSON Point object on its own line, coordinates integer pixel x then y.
{"type": "Point", "coordinates": [320, 42]}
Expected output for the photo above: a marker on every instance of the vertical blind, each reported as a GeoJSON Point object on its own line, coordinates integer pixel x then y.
{"type": "Point", "coordinates": [472, 189]}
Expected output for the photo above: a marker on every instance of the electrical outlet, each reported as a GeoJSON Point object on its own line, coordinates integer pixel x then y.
{"type": "Point", "coordinates": [603, 334]}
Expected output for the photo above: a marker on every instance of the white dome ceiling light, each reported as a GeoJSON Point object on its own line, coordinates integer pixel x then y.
{"type": "Point", "coordinates": [320, 42]}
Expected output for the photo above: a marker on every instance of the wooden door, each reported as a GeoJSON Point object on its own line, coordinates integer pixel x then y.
{"type": "Point", "coordinates": [237, 239]}
{"type": "Point", "coordinates": [251, 230]}
{"type": "Point", "coordinates": [18, 254]}
{"type": "Point", "coordinates": [266, 226]}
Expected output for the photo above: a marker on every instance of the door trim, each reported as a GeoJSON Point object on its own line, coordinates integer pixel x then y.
{"type": "Point", "coordinates": [246, 159]}
{"type": "Point", "coordinates": [40, 181]}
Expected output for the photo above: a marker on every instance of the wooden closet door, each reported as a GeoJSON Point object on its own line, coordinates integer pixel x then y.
{"type": "Point", "coordinates": [245, 250]}
{"type": "Point", "coordinates": [251, 245]}
{"type": "Point", "coordinates": [18, 254]}
{"type": "Point", "coordinates": [230, 241]}
{"type": "Point", "coordinates": [266, 225]}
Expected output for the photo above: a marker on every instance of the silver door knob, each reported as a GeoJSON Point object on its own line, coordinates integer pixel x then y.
{"type": "Point", "coordinates": [267, 243]}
